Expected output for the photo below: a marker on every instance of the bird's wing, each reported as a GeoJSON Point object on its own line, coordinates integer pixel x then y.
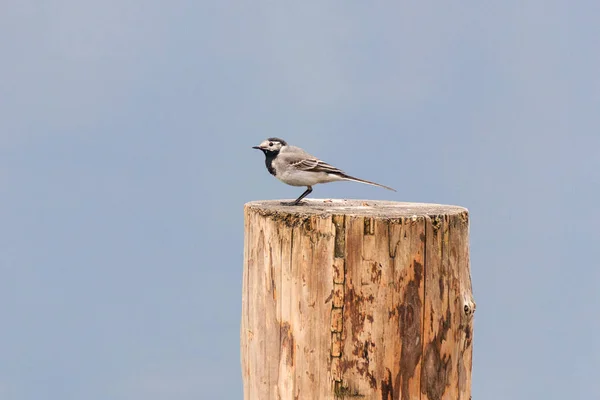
{"type": "Point", "coordinates": [316, 165]}
{"type": "Point", "coordinates": [299, 159]}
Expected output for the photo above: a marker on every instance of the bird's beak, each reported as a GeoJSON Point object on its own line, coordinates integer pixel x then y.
{"type": "Point", "coordinates": [256, 147]}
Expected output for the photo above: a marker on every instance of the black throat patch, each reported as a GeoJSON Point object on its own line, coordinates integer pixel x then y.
{"type": "Point", "coordinates": [269, 157]}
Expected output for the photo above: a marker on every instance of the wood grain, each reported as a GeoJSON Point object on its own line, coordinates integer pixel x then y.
{"type": "Point", "coordinates": [356, 299]}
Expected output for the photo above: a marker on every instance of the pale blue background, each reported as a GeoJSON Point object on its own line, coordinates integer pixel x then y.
{"type": "Point", "coordinates": [125, 160]}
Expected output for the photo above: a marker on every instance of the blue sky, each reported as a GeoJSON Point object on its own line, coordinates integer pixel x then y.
{"type": "Point", "coordinates": [125, 135]}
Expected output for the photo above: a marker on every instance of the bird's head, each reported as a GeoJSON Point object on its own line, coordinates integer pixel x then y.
{"type": "Point", "coordinates": [271, 145]}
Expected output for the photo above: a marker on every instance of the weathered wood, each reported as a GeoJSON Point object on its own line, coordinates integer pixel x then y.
{"type": "Point", "coordinates": [356, 299]}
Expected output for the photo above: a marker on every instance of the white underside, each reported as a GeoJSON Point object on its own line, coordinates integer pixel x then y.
{"type": "Point", "coordinates": [305, 178]}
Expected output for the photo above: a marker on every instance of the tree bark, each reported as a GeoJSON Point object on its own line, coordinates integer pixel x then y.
{"type": "Point", "coordinates": [356, 299]}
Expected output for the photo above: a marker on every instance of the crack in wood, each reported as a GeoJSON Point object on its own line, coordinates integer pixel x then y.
{"type": "Point", "coordinates": [337, 305]}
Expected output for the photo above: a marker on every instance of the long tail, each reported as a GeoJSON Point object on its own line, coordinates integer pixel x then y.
{"type": "Point", "coordinates": [351, 178]}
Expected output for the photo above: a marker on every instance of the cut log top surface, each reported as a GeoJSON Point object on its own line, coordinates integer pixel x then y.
{"type": "Point", "coordinates": [371, 208]}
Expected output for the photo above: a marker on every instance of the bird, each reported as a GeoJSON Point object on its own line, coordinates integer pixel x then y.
{"type": "Point", "coordinates": [294, 166]}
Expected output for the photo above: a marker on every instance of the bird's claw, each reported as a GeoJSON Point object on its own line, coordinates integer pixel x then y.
{"type": "Point", "coordinates": [293, 203]}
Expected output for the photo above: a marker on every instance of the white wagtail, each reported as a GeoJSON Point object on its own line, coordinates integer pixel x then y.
{"type": "Point", "coordinates": [294, 166]}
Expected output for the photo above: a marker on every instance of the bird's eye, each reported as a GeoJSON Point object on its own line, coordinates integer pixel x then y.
{"type": "Point", "coordinates": [270, 144]}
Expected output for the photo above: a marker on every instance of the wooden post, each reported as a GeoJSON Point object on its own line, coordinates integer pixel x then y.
{"type": "Point", "coordinates": [356, 299]}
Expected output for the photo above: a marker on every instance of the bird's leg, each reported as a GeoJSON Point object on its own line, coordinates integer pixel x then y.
{"type": "Point", "coordinates": [303, 195]}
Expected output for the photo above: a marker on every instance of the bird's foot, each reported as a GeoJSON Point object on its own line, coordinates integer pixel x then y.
{"type": "Point", "coordinates": [292, 203]}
